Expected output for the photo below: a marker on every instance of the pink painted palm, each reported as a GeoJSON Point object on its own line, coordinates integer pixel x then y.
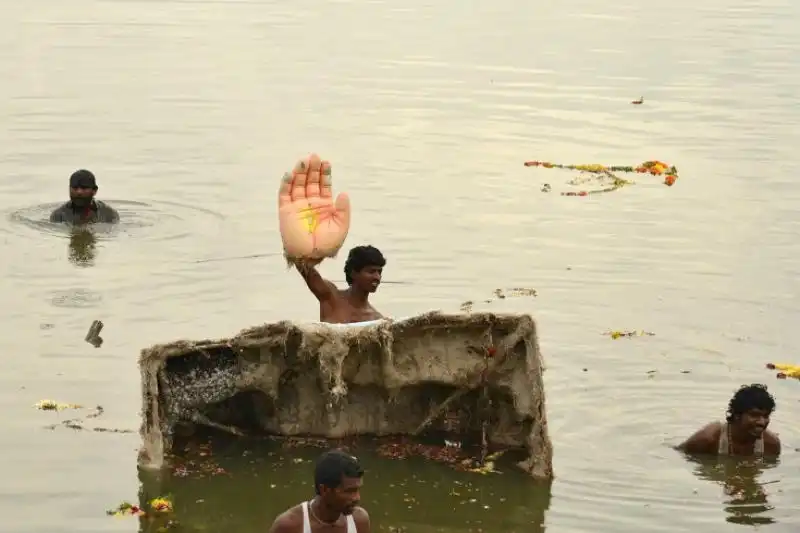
{"type": "Point", "coordinates": [312, 225]}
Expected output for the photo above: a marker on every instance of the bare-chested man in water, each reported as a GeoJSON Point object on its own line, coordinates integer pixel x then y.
{"type": "Point", "coordinates": [362, 271]}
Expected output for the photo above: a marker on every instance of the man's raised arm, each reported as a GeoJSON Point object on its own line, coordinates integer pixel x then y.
{"type": "Point", "coordinates": [319, 286]}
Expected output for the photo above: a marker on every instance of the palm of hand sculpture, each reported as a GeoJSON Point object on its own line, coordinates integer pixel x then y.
{"type": "Point", "coordinates": [312, 225]}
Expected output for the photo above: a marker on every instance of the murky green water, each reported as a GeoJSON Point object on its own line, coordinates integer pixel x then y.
{"type": "Point", "coordinates": [189, 112]}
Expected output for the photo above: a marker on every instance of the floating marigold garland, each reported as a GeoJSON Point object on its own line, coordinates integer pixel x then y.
{"type": "Point", "coordinates": [50, 405]}
{"type": "Point", "coordinates": [785, 370]}
{"type": "Point", "coordinates": [157, 505]}
{"type": "Point", "coordinates": [656, 168]}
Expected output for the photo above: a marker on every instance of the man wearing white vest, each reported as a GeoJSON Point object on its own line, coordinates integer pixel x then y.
{"type": "Point", "coordinates": [334, 509]}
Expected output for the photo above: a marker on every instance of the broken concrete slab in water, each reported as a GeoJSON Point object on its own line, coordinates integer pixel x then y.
{"type": "Point", "coordinates": [471, 376]}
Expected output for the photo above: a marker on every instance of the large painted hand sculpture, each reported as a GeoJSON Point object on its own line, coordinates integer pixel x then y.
{"type": "Point", "coordinates": [312, 225]}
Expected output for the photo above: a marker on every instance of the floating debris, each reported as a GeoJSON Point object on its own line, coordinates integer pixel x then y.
{"type": "Point", "coordinates": [161, 505]}
{"type": "Point", "coordinates": [77, 423]}
{"type": "Point", "coordinates": [124, 509]}
{"type": "Point", "coordinates": [613, 182]}
{"type": "Point", "coordinates": [197, 463]}
{"type": "Point", "coordinates": [488, 465]}
{"type": "Point", "coordinates": [500, 294]}
{"type": "Point", "coordinates": [786, 370]}
{"type": "Point", "coordinates": [93, 335]}
{"type": "Point", "coordinates": [157, 505]}
{"type": "Point", "coordinates": [515, 292]}
{"type": "Point", "coordinates": [616, 334]}
{"type": "Point", "coordinates": [50, 405]}
{"type": "Point", "coordinates": [451, 454]}
{"type": "Point", "coordinates": [297, 442]}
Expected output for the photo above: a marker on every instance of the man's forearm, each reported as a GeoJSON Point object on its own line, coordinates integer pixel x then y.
{"type": "Point", "coordinates": [320, 287]}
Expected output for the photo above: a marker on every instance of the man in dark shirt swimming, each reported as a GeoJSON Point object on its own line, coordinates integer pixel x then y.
{"type": "Point", "coordinates": [82, 207]}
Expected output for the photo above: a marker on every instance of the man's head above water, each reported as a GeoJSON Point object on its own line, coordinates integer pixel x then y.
{"type": "Point", "coordinates": [364, 267]}
{"type": "Point", "coordinates": [750, 408]}
{"type": "Point", "coordinates": [337, 481]}
{"type": "Point", "coordinates": [82, 188]}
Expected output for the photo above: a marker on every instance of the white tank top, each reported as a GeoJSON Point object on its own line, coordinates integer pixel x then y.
{"type": "Point", "coordinates": [351, 522]}
{"type": "Point", "coordinates": [725, 445]}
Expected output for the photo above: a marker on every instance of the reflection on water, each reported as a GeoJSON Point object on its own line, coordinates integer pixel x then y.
{"type": "Point", "coordinates": [231, 485]}
{"type": "Point", "coordinates": [745, 496]}
{"type": "Point", "coordinates": [82, 246]}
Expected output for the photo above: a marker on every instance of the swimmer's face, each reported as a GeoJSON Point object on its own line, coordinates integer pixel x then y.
{"type": "Point", "coordinates": [345, 497]}
{"type": "Point", "coordinates": [368, 278]}
{"type": "Point", "coordinates": [754, 421]}
{"type": "Point", "coordinates": [82, 196]}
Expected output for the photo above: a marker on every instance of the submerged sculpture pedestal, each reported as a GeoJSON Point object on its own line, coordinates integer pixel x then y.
{"type": "Point", "coordinates": [382, 378]}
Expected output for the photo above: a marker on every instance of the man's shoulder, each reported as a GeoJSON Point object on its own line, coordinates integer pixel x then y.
{"type": "Point", "coordinates": [105, 213]}
{"type": "Point", "coordinates": [102, 205]}
{"type": "Point", "coordinates": [361, 518]}
{"type": "Point", "coordinates": [712, 432]}
{"type": "Point", "coordinates": [289, 521]}
{"type": "Point", "coordinates": [772, 442]}
{"type": "Point", "coordinates": [63, 207]}
{"type": "Point", "coordinates": [60, 213]}
{"type": "Point", "coordinates": [714, 428]}
{"type": "Point", "coordinates": [704, 440]}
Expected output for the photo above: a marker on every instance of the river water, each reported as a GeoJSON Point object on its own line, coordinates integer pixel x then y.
{"type": "Point", "coordinates": [189, 111]}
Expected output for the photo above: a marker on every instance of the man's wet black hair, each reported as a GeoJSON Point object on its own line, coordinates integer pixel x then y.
{"type": "Point", "coordinates": [333, 466]}
{"type": "Point", "coordinates": [749, 397]}
{"type": "Point", "coordinates": [360, 258]}
{"type": "Point", "coordinates": [83, 178]}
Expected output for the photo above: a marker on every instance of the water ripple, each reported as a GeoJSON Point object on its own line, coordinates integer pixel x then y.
{"type": "Point", "coordinates": [162, 220]}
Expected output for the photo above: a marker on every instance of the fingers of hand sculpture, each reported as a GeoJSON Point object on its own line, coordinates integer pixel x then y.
{"type": "Point", "coordinates": [314, 172]}
{"type": "Point", "coordinates": [285, 190]}
{"type": "Point", "coordinates": [326, 188]}
{"type": "Point", "coordinates": [300, 178]}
